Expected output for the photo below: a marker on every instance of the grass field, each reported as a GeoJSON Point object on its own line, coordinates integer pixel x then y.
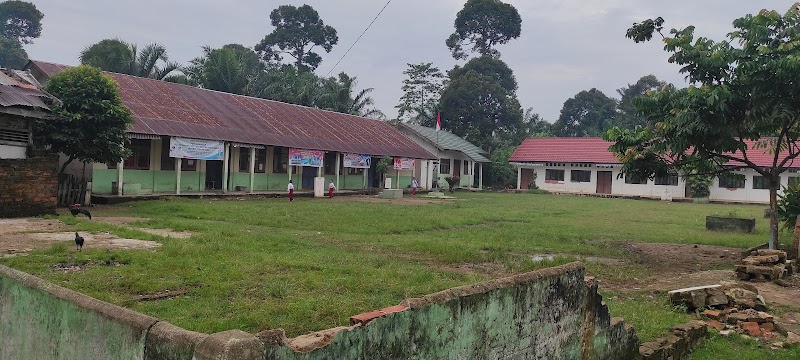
{"type": "Point", "coordinates": [309, 265]}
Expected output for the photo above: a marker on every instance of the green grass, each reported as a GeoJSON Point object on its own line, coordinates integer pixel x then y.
{"type": "Point", "coordinates": [737, 348]}
{"type": "Point", "coordinates": [309, 265]}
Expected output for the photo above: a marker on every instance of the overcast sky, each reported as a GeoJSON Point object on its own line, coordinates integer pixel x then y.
{"type": "Point", "coordinates": [566, 45]}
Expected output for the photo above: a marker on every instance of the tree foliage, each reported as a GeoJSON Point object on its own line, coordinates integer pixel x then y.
{"type": "Point", "coordinates": [20, 20]}
{"type": "Point", "coordinates": [743, 89]}
{"type": "Point", "coordinates": [627, 117]}
{"type": "Point", "coordinates": [232, 68]}
{"type": "Point", "coordinates": [589, 113]}
{"type": "Point", "coordinates": [421, 91]}
{"type": "Point", "coordinates": [491, 67]}
{"type": "Point", "coordinates": [93, 121]}
{"type": "Point", "coordinates": [115, 55]}
{"type": "Point", "coordinates": [12, 55]}
{"type": "Point", "coordinates": [339, 94]}
{"type": "Point", "coordinates": [534, 126]}
{"type": "Point", "coordinates": [297, 31]}
{"type": "Point", "coordinates": [483, 24]}
{"type": "Point", "coordinates": [501, 172]}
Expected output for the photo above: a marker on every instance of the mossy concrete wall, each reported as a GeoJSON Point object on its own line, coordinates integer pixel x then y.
{"type": "Point", "coordinates": [553, 313]}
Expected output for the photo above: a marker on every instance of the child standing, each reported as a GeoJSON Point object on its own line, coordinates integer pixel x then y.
{"type": "Point", "coordinates": [414, 186]}
{"type": "Point", "coordinates": [331, 188]}
{"type": "Point", "coordinates": [291, 190]}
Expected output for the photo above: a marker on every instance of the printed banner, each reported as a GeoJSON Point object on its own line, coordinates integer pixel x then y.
{"type": "Point", "coordinates": [358, 161]}
{"type": "Point", "coordinates": [404, 164]}
{"type": "Point", "coordinates": [196, 149]}
{"type": "Point", "coordinates": [312, 158]}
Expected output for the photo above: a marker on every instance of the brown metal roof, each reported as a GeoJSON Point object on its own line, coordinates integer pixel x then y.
{"type": "Point", "coordinates": [20, 89]}
{"type": "Point", "coordinates": [164, 108]}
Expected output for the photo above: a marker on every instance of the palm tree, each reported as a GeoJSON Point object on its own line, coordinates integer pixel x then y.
{"type": "Point", "coordinates": [232, 68]}
{"type": "Point", "coordinates": [339, 94]}
{"type": "Point", "coordinates": [118, 56]}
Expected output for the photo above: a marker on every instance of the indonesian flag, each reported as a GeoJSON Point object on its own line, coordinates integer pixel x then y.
{"type": "Point", "coordinates": [438, 121]}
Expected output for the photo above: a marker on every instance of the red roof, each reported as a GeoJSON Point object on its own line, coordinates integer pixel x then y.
{"type": "Point", "coordinates": [163, 108]}
{"type": "Point", "coordinates": [595, 151]}
{"type": "Point", "coordinates": [573, 150]}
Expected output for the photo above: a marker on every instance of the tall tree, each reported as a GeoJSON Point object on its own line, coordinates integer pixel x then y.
{"type": "Point", "coordinates": [627, 117]}
{"type": "Point", "coordinates": [744, 90]}
{"type": "Point", "coordinates": [118, 56]}
{"type": "Point", "coordinates": [297, 31]}
{"type": "Point", "coordinates": [232, 68]}
{"type": "Point", "coordinates": [490, 67]}
{"type": "Point", "coordinates": [589, 113]}
{"type": "Point", "coordinates": [20, 20]}
{"type": "Point", "coordinates": [284, 83]}
{"type": "Point", "coordinates": [421, 92]}
{"type": "Point", "coordinates": [340, 95]}
{"type": "Point", "coordinates": [93, 120]}
{"type": "Point", "coordinates": [534, 126]}
{"type": "Point", "coordinates": [12, 55]}
{"type": "Point", "coordinates": [483, 24]}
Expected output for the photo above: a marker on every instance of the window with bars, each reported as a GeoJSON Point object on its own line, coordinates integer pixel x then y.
{"type": "Point", "coordinates": [670, 179]}
{"type": "Point", "coordinates": [140, 155]}
{"type": "Point", "coordinates": [580, 176]}
{"type": "Point", "coordinates": [730, 181]}
{"type": "Point", "coordinates": [635, 180]}
{"type": "Point", "coordinates": [760, 182]}
{"type": "Point", "coordinates": [280, 160]}
{"type": "Point", "coordinates": [445, 167]}
{"type": "Point", "coordinates": [554, 175]}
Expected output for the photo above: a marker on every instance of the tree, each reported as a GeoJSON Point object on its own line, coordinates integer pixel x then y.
{"type": "Point", "coordinates": [232, 69]}
{"type": "Point", "coordinates": [483, 24]}
{"type": "Point", "coordinates": [115, 55]}
{"type": "Point", "coordinates": [501, 172]}
{"type": "Point", "coordinates": [12, 55]}
{"type": "Point", "coordinates": [21, 21]}
{"type": "Point", "coordinates": [93, 121]}
{"type": "Point", "coordinates": [421, 92]}
{"type": "Point", "coordinates": [626, 112]}
{"type": "Point", "coordinates": [491, 67]}
{"type": "Point", "coordinates": [744, 101]}
{"type": "Point", "coordinates": [284, 83]}
{"type": "Point", "coordinates": [340, 95]}
{"type": "Point", "coordinates": [297, 31]}
{"type": "Point", "coordinates": [589, 113]}
{"type": "Point", "coordinates": [534, 126]}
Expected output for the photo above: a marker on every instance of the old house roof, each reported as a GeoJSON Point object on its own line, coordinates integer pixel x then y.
{"type": "Point", "coordinates": [595, 151]}
{"type": "Point", "coordinates": [446, 140]}
{"type": "Point", "coordinates": [18, 89]}
{"type": "Point", "coordinates": [163, 108]}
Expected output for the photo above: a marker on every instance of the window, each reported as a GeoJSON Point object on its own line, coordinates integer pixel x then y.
{"type": "Point", "coordinates": [355, 171]}
{"type": "Point", "coordinates": [244, 159]}
{"type": "Point", "coordinates": [670, 179]}
{"type": "Point", "coordinates": [261, 160]}
{"type": "Point", "coordinates": [168, 163]}
{"type": "Point", "coordinates": [445, 168]}
{"type": "Point", "coordinates": [760, 182]}
{"type": "Point", "coordinates": [140, 156]}
{"type": "Point", "coordinates": [465, 167]}
{"type": "Point", "coordinates": [580, 176]}
{"type": "Point", "coordinates": [635, 180]}
{"type": "Point", "coordinates": [280, 160]}
{"type": "Point", "coordinates": [329, 161]}
{"type": "Point", "coordinates": [554, 175]}
{"type": "Point", "coordinates": [730, 181]}
{"type": "Point", "coordinates": [794, 180]}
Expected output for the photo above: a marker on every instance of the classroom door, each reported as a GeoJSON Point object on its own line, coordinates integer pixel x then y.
{"type": "Point", "coordinates": [214, 175]}
{"type": "Point", "coordinates": [604, 179]}
{"type": "Point", "coordinates": [456, 167]}
{"type": "Point", "coordinates": [309, 173]}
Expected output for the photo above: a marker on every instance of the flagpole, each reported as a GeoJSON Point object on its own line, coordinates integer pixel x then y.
{"type": "Point", "coordinates": [438, 157]}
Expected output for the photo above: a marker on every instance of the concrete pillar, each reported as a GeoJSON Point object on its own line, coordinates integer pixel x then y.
{"type": "Point", "coordinates": [398, 179]}
{"type": "Point", "coordinates": [338, 165]}
{"type": "Point", "coordinates": [252, 168]}
{"type": "Point", "coordinates": [321, 167]}
{"type": "Point", "coordinates": [120, 168]}
{"type": "Point", "coordinates": [178, 164]}
{"type": "Point", "coordinates": [366, 171]}
{"type": "Point", "coordinates": [225, 166]}
{"type": "Point", "coordinates": [480, 176]}
{"type": "Point", "coordinates": [519, 178]}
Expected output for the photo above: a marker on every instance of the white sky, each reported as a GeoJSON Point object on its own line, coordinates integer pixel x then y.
{"type": "Point", "coordinates": [566, 45]}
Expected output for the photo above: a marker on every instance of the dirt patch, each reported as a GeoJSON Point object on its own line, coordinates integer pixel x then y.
{"type": "Point", "coordinates": [11, 226]}
{"type": "Point", "coordinates": [126, 220]}
{"type": "Point", "coordinates": [119, 220]}
{"type": "Point", "coordinates": [75, 267]}
{"type": "Point", "coordinates": [167, 233]}
{"type": "Point", "coordinates": [682, 258]}
{"type": "Point", "coordinates": [406, 200]}
{"type": "Point", "coordinates": [16, 244]}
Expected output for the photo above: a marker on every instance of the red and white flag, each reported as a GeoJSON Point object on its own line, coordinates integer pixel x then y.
{"type": "Point", "coordinates": [438, 121]}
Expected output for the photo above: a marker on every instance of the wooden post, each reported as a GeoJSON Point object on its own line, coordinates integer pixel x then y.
{"type": "Point", "coordinates": [519, 178]}
{"type": "Point", "coordinates": [338, 165]}
{"type": "Point", "coordinates": [120, 167]}
{"type": "Point", "coordinates": [225, 165]}
{"type": "Point", "coordinates": [178, 164]}
{"type": "Point", "coordinates": [252, 168]}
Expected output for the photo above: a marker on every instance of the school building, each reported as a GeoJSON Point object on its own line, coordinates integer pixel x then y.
{"type": "Point", "coordinates": [191, 140]}
{"type": "Point", "coordinates": [586, 166]}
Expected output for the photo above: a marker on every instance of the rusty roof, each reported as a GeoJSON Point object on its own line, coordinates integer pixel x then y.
{"type": "Point", "coordinates": [163, 108]}
{"type": "Point", "coordinates": [20, 89]}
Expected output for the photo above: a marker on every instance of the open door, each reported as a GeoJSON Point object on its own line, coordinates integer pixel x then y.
{"type": "Point", "coordinates": [213, 174]}
{"type": "Point", "coordinates": [604, 179]}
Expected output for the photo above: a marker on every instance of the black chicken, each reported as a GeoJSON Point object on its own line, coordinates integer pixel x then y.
{"type": "Point", "coordinates": [76, 209]}
{"type": "Point", "coordinates": [78, 242]}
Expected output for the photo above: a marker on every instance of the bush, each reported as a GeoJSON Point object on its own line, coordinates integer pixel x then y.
{"type": "Point", "coordinates": [789, 206]}
{"type": "Point", "coordinates": [700, 185]}
{"type": "Point", "coordinates": [453, 181]}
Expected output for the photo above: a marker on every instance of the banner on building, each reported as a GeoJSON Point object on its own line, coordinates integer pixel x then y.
{"type": "Point", "coordinates": [358, 161]}
{"type": "Point", "coordinates": [404, 163]}
{"type": "Point", "coordinates": [299, 157]}
{"type": "Point", "coordinates": [186, 148]}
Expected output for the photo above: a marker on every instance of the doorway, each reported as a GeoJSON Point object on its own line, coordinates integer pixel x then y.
{"type": "Point", "coordinates": [213, 174]}
{"type": "Point", "coordinates": [604, 179]}
{"type": "Point", "coordinates": [309, 173]}
{"type": "Point", "coordinates": [456, 168]}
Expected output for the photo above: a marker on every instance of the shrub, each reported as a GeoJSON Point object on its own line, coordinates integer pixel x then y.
{"type": "Point", "coordinates": [453, 181]}
{"type": "Point", "coordinates": [700, 185]}
{"type": "Point", "coordinates": [789, 206]}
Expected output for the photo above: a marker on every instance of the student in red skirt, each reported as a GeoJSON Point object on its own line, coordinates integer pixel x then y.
{"type": "Point", "coordinates": [414, 186]}
{"type": "Point", "coordinates": [291, 190]}
{"type": "Point", "coordinates": [331, 188]}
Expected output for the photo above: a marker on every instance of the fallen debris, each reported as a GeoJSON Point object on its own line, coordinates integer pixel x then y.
{"type": "Point", "coordinates": [764, 264]}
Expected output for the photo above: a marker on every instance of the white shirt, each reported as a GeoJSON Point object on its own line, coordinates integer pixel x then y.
{"type": "Point", "coordinates": [414, 183]}
{"type": "Point", "coordinates": [291, 187]}
{"type": "Point", "coordinates": [331, 186]}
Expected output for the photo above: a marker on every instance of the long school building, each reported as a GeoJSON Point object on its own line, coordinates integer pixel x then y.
{"type": "Point", "coordinates": [585, 166]}
{"type": "Point", "coordinates": [186, 139]}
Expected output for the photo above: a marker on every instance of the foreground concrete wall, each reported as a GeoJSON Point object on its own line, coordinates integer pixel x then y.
{"type": "Point", "coordinates": [553, 313]}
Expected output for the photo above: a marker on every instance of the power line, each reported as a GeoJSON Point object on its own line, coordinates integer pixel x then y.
{"type": "Point", "coordinates": [359, 38]}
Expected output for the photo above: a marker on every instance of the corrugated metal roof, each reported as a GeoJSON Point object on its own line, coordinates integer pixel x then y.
{"type": "Point", "coordinates": [595, 151]}
{"type": "Point", "coordinates": [449, 141]}
{"type": "Point", "coordinates": [164, 108]}
{"type": "Point", "coordinates": [19, 89]}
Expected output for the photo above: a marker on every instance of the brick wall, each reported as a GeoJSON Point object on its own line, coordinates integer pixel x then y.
{"type": "Point", "coordinates": [28, 187]}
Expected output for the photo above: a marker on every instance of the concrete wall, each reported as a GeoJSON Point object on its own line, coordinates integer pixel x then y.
{"type": "Point", "coordinates": [28, 187]}
{"type": "Point", "coordinates": [553, 313]}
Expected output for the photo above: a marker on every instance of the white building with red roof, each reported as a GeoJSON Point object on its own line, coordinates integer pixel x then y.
{"type": "Point", "coordinates": [586, 166]}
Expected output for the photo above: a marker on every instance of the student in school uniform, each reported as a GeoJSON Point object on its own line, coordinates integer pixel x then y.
{"type": "Point", "coordinates": [331, 188]}
{"type": "Point", "coordinates": [291, 190]}
{"type": "Point", "coordinates": [414, 186]}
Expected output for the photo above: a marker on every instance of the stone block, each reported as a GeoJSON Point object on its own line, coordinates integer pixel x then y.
{"type": "Point", "coordinates": [714, 314]}
{"type": "Point", "coordinates": [717, 223]}
{"type": "Point", "coordinates": [761, 260]}
{"type": "Point", "coordinates": [391, 194]}
{"type": "Point", "coordinates": [767, 252]}
{"type": "Point", "coordinates": [229, 345]}
{"type": "Point", "coordinates": [693, 298]}
{"type": "Point", "coordinates": [752, 328]}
